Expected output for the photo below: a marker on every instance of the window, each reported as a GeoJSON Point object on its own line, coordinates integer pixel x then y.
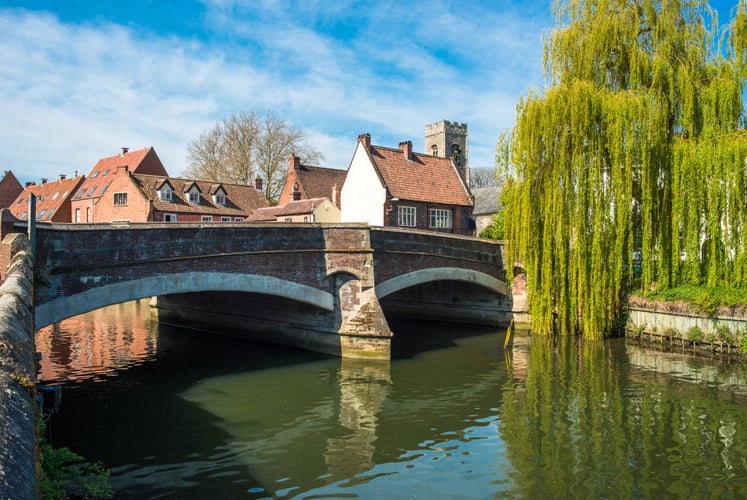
{"type": "Point", "coordinates": [288, 219]}
{"type": "Point", "coordinates": [220, 198]}
{"type": "Point", "coordinates": [194, 196]}
{"type": "Point", "coordinates": [207, 218]}
{"type": "Point", "coordinates": [95, 174]}
{"type": "Point", "coordinates": [49, 214]}
{"type": "Point", "coordinates": [434, 150]}
{"type": "Point", "coordinates": [88, 214]}
{"type": "Point", "coordinates": [54, 196]}
{"type": "Point", "coordinates": [225, 219]}
{"type": "Point", "coordinates": [165, 193]}
{"type": "Point", "coordinates": [80, 192]}
{"type": "Point", "coordinates": [23, 215]}
{"type": "Point", "coordinates": [93, 190]}
{"type": "Point", "coordinates": [77, 215]}
{"type": "Point", "coordinates": [105, 172]}
{"type": "Point", "coordinates": [169, 217]}
{"type": "Point", "coordinates": [41, 214]}
{"type": "Point", "coordinates": [238, 219]}
{"type": "Point", "coordinates": [440, 218]}
{"type": "Point", "coordinates": [120, 199]}
{"type": "Point", "coordinates": [406, 216]}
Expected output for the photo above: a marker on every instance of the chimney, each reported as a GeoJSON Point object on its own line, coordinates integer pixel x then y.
{"type": "Point", "coordinates": [44, 180]}
{"type": "Point", "coordinates": [62, 177]}
{"type": "Point", "coordinates": [296, 193]}
{"type": "Point", "coordinates": [366, 140]}
{"type": "Point", "coordinates": [406, 148]}
{"type": "Point", "coordinates": [29, 184]}
{"type": "Point", "coordinates": [124, 168]}
{"type": "Point", "coordinates": [124, 151]}
{"type": "Point", "coordinates": [294, 162]}
{"type": "Point", "coordinates": [258, 183]}
{"type": "Point", "coordinates": [335, 195]}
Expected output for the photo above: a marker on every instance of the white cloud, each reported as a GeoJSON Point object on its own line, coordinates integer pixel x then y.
{"type": "Point", "coordinates": [72, 93]}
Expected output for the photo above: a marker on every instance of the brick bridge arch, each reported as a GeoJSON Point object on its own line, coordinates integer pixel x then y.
{"type": "Point", "coordinates": [313, 285]}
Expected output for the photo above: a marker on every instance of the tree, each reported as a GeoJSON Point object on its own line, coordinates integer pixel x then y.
{"type": "Point", "coordinates": [638, 145]}
{"type": "Point", "coordinates": [245, 145]}
{"type": "Point", "coordinates": [482, 177]}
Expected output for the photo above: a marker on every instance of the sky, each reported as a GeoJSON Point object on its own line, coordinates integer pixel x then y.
{"type": "Point", "coordinates": [81, 79]}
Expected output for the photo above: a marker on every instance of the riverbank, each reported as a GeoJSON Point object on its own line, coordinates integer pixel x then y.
{"type": "Point", "coordinates": [681, 324]}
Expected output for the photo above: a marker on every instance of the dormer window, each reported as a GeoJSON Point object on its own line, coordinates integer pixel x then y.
{"type": "Point", "coordinates": [193, 192]}
{"type": "Point", "coordinates": [165, 191]}
{"type": "Point", "coordinates": [218, 194]}
{"type": "Point", "coordinates": [194, 196]}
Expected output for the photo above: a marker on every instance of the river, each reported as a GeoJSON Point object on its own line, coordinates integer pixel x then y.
{"type": "Point", "coordinates": [176, 413]}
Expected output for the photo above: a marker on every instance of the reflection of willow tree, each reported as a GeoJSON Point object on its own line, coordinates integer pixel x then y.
{"type": "Point", "coordinates": [579, 431]}
{"type": "Point", "coordinates": [637, 147]}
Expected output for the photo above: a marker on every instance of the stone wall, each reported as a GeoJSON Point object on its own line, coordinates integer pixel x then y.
{"type": "Point", "coordinates": [18, 461]}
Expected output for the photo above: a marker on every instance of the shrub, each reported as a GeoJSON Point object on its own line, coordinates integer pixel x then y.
{"type": "Point", "coordinates": [671, 333]}
{"type": "Point", "coordinates": [695, 334]}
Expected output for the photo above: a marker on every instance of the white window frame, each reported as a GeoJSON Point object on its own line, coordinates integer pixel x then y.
{"type": "Point", "coordinates": [219, 198]}
{"type": "Point", "coordinates": [407, 216]}
{"type": "Point", "coordinates": [170, 218]}
{"type": "Point", "coordinates": [77, 215]}
{"type": "Point", "coordinates": [440, 218]}
{"type": "Point", "coordinates": [119, 200]}
{"type": "Point", "coordinates": [207, 218]}
{"type": "Point", "coordinates": [165, 193]}
{"type": "Point", "coordinates": [225, 219]}
{"type": "Point", "coordinates": [194, 196]}
{"type": "Point", "coordinates": [238, 219]}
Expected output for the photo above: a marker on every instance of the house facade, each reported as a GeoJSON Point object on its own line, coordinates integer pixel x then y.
{"type": "Point", "coordinates": [85, 202]}
{"type": "Point", "coordinates": [53, 199]}
{"type": "Point", "coordinates": [397, 187]}
{"type": "Point", "coordinates": [155, 198]}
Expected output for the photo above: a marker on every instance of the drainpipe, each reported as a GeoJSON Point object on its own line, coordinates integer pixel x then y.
{"type": "Point", "coordinates": [32, 226]}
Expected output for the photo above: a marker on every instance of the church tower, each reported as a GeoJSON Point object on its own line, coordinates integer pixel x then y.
{"type": "Point", "coordinates": [449, 140]}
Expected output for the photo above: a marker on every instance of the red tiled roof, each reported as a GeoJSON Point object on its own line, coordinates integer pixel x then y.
{"type": "Point", "coordinates": [241, 200]}
{"type": "Point", "coordinates": [265, 214]}
{"type": "Point", "coordinates": [10, 188]}
{"type": "Point", "coordinates": [317, 182]}
{"type": "Point", "coordinates": [53, 200]}
{"type": "Point", "coordinates": [300, 207]}
{"type": "Point", "coordinates": [424, 178]}
{"type": "Point", "coordinates": [141, 161]}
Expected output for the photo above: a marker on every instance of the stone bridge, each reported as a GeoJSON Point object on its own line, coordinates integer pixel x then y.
{"type": "Point", "coordinates": [324, 287]}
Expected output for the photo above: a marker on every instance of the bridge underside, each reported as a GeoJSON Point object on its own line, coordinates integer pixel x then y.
{"type": "Point", "coordinates": [274, 319]}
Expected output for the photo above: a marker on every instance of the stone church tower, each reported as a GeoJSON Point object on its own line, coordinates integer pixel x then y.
{"type": "Point", "coordinates": [449, 139]}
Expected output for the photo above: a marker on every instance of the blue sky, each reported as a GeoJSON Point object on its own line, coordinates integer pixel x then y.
{"type": "Point", "coordinates": [81, 78]}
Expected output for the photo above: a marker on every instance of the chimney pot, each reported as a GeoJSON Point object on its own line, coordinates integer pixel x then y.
{"type": "Point", "coordinates": [44, 180]}
{"type": "Point", "coordinates": [124, 150]}
{"type": "Point", "coordinates": [294, 162]}
{"type": "Point", "coordinates": [258, 183]}
{"type": "Point", "coordinates": [62, 177]}
{"type": "Point", "coordinates": [29, 184]}
{"type": "Point", "coordinates": [365, 139]}
{"type": "Point", "coordinates": [406, 148]}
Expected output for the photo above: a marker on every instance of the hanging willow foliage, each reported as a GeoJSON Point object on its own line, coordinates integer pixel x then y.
{"type": "Point", "coordinates": [636, 150]}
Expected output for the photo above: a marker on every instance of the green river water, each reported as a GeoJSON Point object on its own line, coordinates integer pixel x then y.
{"type": "Point", "coordinates": [176, 413]}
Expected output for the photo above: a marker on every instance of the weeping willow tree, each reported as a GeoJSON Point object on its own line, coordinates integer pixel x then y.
{"type": "Point", "coordinates": [630, 167]}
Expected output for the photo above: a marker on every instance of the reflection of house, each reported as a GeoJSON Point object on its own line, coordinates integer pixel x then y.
{"type": "Point", "coordinates": [52, 200]}
{"type": "Point", "coordinates": [304, 182]}
{"type": "Point", "coordinates": [142, 161]}
{"type": "Point", "coordinates": [10, 188]}
{"type": "Point", "coordinates": [134, 197]}
{"type": "Point", "coordinates": [311, 210]}
{"type": "Point", "coordinates": [396, 187]}
{"type": "Point", "coordinates": [486, 205]}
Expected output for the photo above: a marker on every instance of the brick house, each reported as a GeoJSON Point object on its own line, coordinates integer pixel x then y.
{"type": "Point", "coordinates": [397, 187]}
{"type": "Point", "coordinates": [304, 182]}
{"type": "Point", "coordinates": [53, 199]}
{"type": "Point", "coordinates": [310, 210]}
{"type": "Point", "coordinates": [133, 197]}
{"type": "Point", "coordinates": [10, 188]}
{"type": "Point", "coordinates": [85, 201]}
